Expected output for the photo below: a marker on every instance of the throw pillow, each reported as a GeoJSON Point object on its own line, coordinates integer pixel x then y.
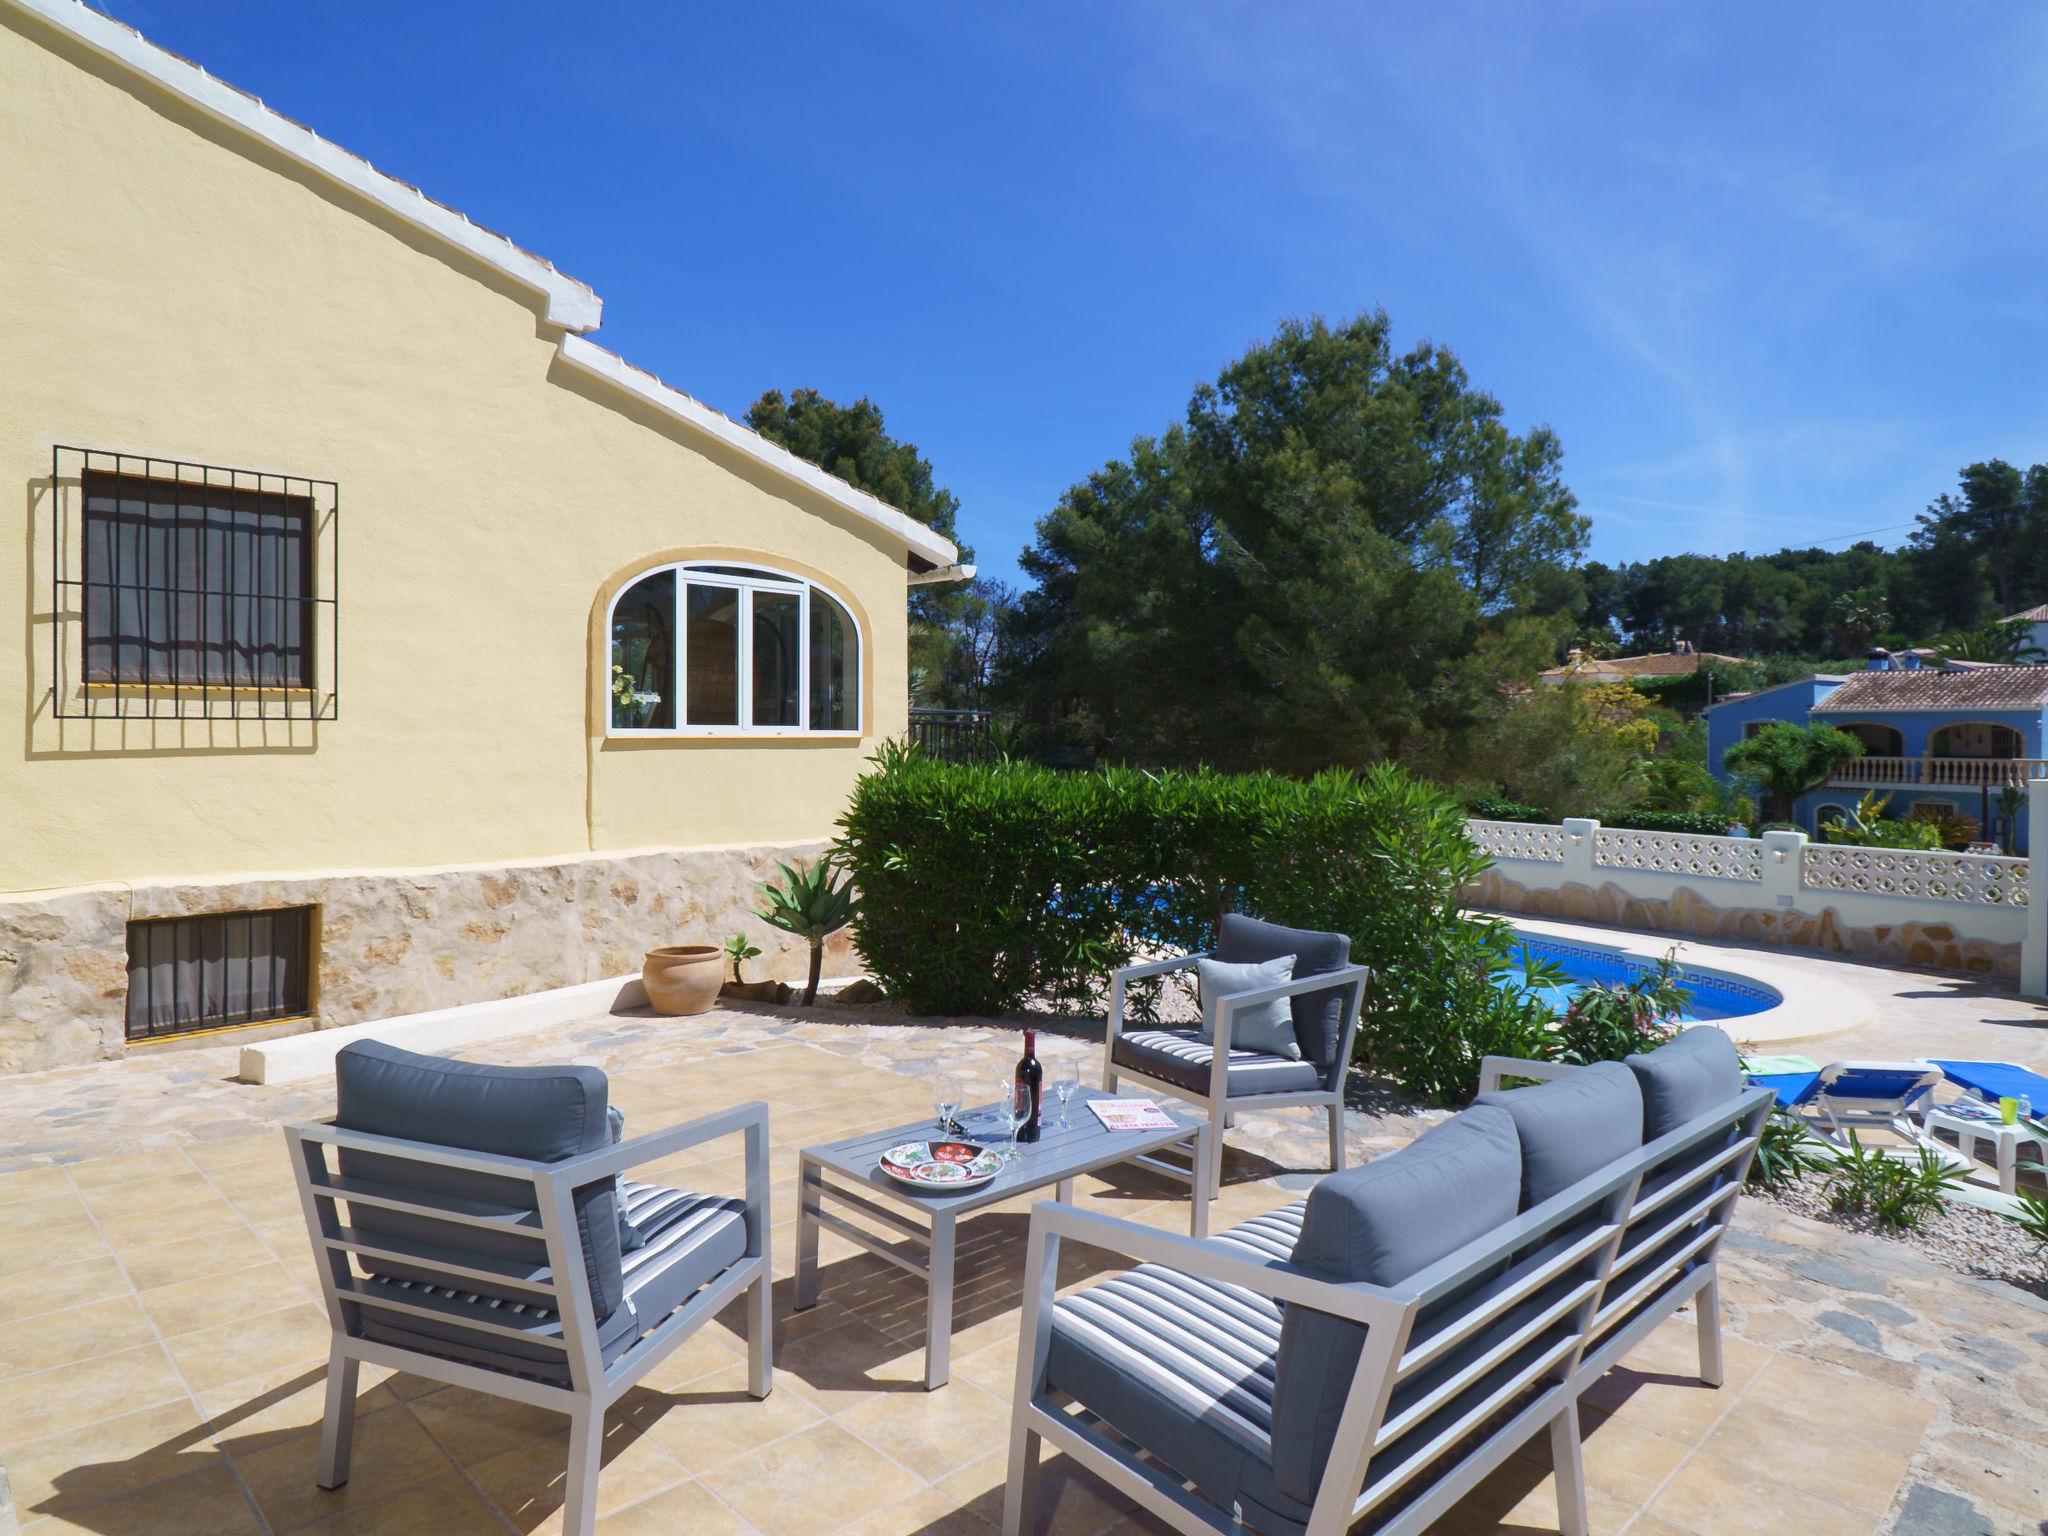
{"type": "Point", "coordinates": [1267, 1027]}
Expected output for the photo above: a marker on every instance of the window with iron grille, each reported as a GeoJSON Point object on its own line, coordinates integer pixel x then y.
{"type": "Point", "coordinates": [190, 589]}
{"type": "Point", "coordinates": [216, 969]}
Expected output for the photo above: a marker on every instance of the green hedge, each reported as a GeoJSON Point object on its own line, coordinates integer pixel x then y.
{"type": "Point", "coordinates": [1494, 808]}
{"type": "Point", "coordinates": [1705, 823]}
{"type": "Point", "coordinates": [984, 885]}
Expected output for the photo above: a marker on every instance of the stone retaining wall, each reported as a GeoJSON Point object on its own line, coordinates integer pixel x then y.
{"type": "Point", "coordinates": [1928, 945]}
{"type": "Point", "coordinates": [398, 941]}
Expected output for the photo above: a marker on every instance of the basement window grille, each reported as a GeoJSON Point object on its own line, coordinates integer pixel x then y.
{"type": "Point", "coordinates": [217, 969]}
{"type": "Point", "coordinates": [192, 591]}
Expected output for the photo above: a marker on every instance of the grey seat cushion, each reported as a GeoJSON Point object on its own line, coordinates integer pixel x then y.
{"type": "Point", "coordinates": [1685, 1077]}
{"type": "Point", "coordinates": [541, 1113]}
{"type": "Point", "coordinates": [1185, 1367]}
{"type": "Point", "coordinates": [1573, 1127]}
{"type": "Point", "coordinates": [689, 1240]}
{"type": "Point", "coordinates": [1381, 1223]}
{"type": "Point", "coordinates": [1318, 1016]}
{"type": "Point", "coordinates": [1182, 1056]}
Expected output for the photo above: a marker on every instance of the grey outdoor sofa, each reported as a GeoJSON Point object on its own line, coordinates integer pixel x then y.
{"type": "Point", "coordinates": [1377, 1349]}
{"type": "Point", "coordinates": [481, 1242]}
{"type": "Point", "coordinates": [1324, 997]}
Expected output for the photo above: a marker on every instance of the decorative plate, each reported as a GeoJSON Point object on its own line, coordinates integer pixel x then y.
{"type": "Point", "coordinates": [949, 1165]}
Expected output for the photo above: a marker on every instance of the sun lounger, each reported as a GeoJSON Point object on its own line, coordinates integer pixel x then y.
{"type": "Point", "coordinates": [1846, 1096]}
{"type": "Point", "coordinates": [1995, 1080]}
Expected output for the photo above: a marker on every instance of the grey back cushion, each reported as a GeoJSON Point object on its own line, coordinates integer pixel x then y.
{"type": "Point", "coordinates": [1318, 1016]}
{"type": "Point", "coordinates": [1380, 1223]}
{"type": "Point", "coordinates": [1572, 1127]}
{"type": "Point", "coordinates": [1684, 1078]}
{"type": "Point", "coordinates": [542, 1113]}
{"type": "Point", "coordinates": [1267, 1027]}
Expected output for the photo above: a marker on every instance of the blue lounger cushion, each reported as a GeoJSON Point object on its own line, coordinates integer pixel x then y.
{"type": "Point", "coordinates": [1997, 1080]}
{"type": "Point", "coordinates": [1572, 1127]}
{"type": "Point", "coordinates": [1318, 1016]}
{"type": "Point", "coordinates": [1682, 1079]}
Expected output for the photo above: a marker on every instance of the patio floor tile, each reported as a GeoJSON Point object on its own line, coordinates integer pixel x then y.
{"type": "Point", "coordinates": [392, 1453]}
{"type": "Point", "coordinates": [107, 1457]}
{"type": "Point", "coordinates": [205, 1503]}
{"type": "Point", "coordinates": [818, 1480]}
{"type": "Point", "coordinates": [69, 1396]}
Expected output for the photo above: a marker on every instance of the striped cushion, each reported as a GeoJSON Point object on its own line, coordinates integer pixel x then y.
{"type": "Point", "coordinates": [687, 1241]}
{"type": "Point", "coordinates": [1182, 1056]}
{"type": "Point", "coordinates": [1185, 1367]}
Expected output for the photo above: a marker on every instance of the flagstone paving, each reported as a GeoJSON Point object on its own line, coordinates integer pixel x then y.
{"type": "Point", "coordinates": [161, 1348]}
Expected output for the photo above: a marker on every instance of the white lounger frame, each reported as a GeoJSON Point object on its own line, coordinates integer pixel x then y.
{"type": "Point", "coordinates": [563, 1285]}
{"type": "Point", "coordinates": [1618, 1203]}
{"type": "Point", "coordinates": [1219, 1016]}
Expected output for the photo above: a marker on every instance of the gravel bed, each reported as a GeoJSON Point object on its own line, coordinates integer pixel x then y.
{"type": "Point", "coordinates": [1965, 1239]}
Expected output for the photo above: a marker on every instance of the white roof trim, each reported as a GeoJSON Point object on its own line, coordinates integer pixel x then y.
{"type": "Point", "coordinates": [570, 304]}
{"type": "Point", "coordinates": [588, 357]}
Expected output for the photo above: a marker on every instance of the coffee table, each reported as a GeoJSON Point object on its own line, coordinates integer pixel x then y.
{"type": "Point", "coordinates": [857, 1187]}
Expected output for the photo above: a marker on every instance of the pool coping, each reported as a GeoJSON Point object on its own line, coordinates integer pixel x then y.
{"type": "Point", "coordinates": [1812, 1008]}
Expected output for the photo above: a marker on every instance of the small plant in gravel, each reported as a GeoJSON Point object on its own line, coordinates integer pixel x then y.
{"type": "Point", "coordinates": [1898, 1195]}
{"type": "Point", "coordinates": [2032, 1217]}
{"type": "Point", "coordinates": [1784, 1155]}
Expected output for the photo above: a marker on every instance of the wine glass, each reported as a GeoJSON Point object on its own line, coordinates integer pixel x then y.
{"type": "Point", "coordinates": [1066, 1082]}
{"type": "Point", "coordinates": [1013, 1109]}
{"type": "Point", "coordinates": [948, 1089]}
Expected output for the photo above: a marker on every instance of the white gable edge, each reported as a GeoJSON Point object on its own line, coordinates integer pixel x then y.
{"type": "Point", "coordinates": [586, 356]}
{"type": "Point", "coordinates": [572, 305]}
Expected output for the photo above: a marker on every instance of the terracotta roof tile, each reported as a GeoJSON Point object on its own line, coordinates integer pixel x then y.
{"type": "Point", "coordinates": [1930, 688]}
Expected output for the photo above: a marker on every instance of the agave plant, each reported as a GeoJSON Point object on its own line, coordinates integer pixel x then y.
{"type": "Point", "coordinates": [811, 905]}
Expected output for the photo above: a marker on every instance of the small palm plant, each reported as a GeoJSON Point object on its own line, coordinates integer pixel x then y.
{"type": "Point", "coordinates": [1785, 1154]}
{"type": "Point", "coordinates": [738, 950]}
{"type": "Point", "coordinates": [811, 905]}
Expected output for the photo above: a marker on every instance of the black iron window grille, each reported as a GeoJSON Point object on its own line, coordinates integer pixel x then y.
{"type": "Point", "coordinates": [217, 969]}
{"type": "Point", "coordinates": [185, 590]}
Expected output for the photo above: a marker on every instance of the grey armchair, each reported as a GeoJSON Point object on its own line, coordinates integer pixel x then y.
{"type": "Point", "coordinates": [1324, 996]}
{"type": "Point", "coordinates": [475, 1226]}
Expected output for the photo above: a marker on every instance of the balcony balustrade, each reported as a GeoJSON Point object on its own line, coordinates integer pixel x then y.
{"type": "Point", "coordinates": [1940, 772]}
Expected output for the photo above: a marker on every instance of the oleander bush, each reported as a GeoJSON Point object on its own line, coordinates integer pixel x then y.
{"type": "Point", "coordinates": [987, 885]}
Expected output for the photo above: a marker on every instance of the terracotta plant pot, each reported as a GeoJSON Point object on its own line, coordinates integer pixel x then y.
{"type": "Point", "coordinates": [683, 978]}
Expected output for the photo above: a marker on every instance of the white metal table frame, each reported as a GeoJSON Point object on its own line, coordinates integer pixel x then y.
{"type": "Point", "coordinates": [926, 1251]}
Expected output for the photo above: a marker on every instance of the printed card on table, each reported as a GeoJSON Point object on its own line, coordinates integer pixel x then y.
{"type": "Point", "coordinates": [1131, 1115]}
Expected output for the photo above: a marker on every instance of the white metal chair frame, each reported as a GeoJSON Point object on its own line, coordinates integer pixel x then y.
{"type": "Point", "coordinates": [1219, 1015]}
{"type": "Point", "coordinates": [1831, 1116]}
{"type": "Point", "coordinates": [563, 1285]}
{"type": "Point", "coordinates": [1597, 1340]}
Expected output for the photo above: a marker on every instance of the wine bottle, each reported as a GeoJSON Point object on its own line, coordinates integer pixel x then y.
{"type": "Point", "coordinates": [1030, 1084]}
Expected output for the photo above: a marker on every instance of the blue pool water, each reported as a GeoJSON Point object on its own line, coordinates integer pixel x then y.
{"type": "Point", "coordinates": [1715, 995]}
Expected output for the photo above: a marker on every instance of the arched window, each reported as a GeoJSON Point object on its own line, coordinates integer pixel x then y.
{"type": "Point", "coordinates": [732, 649]}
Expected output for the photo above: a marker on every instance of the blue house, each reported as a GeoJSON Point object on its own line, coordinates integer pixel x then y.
{"type": "Point", "coordinates": [1957, 734]}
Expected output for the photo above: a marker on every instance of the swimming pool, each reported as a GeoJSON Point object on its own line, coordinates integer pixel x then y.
{"type": "Point", "coordinates": [1715, 994]}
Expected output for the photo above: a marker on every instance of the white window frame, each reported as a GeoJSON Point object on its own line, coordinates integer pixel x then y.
{"type": "Point", "coordinates": [703, 573]}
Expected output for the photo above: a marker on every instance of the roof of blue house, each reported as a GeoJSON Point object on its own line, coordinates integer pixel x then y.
{"type": "Point", "coordinates": [1934, 688]}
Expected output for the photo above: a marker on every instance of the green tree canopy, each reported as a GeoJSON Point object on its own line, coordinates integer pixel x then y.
{"type": "Point", "coordinates": [951, 628]}
{"type": "Point", "coordinates": [1786, 761]}
{"type": "Point", "coordinates": [1282, 579]}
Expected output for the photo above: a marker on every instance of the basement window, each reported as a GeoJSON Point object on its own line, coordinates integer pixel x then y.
{"type": "Point", "coordinates": [218, 969]}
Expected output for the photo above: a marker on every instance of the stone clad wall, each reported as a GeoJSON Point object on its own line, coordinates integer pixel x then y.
{"type": "Point", "coordinates": [1932, 910]}
{"type": "Point", "coordinates": [1915, 941]}
{"type": "Point", "coordinates": [399, 941]}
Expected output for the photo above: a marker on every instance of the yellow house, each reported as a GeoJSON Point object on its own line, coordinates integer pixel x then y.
{"type": "Point", "coordinates": [377, 641]}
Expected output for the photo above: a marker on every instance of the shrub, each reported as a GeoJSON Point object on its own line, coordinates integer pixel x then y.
{"type": "Point", "coordinates": [1704, 823]}
{"type": "Point", "coordinates": [1867, 826]}
{"type": "Point", "coordinates": [1494, 808]}
{"type": "Point", "coordinates": [1617, 1019]}
{"type": "Point", "coordinates": [1785, 1153]}
{"type": "Point", "coordinates": [2032, 1216]}
{"type": "Point", "coordinates": [1899, 1194]}
{"type": "Point", "coordinates": [986, 884]}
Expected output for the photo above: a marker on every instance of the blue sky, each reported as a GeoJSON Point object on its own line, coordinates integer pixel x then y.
{"type": "Point", "coordinates": [1772, 272]}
